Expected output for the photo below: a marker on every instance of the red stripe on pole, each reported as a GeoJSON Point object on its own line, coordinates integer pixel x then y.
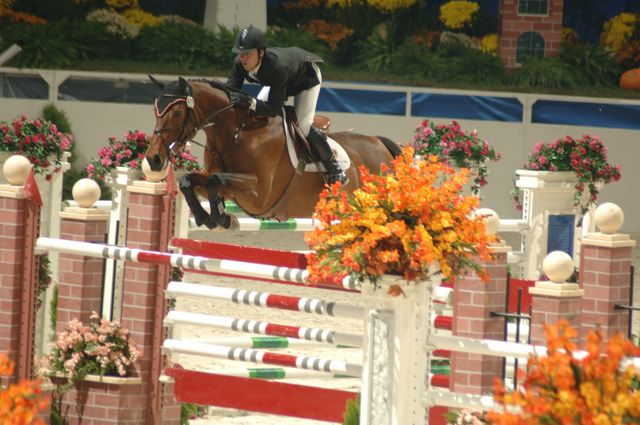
{"type": "Point", "coordinates": [280, 359]}
{"type": "Point", "coordinates": [282, 330]}
{"type": "Point", "coordinates": [154, 257]}
{"type": "Point", "coordinates": [256, 395]}
{"type": "Point", "coordinates": [443, 322]}
{"type": "Point", "coordinates": [250, 254]}
{"type": "Point", "coordinates": [440, 381]}
{"type": "Point", "coordinates": [442, 353]}
{"type": "Point", "coordinates": [283, 302]}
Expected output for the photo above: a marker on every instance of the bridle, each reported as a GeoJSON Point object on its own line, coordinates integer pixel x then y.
{"type": "Point", "coordinates": [209, 121]}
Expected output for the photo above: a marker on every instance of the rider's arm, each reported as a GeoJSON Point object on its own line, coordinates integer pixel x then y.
{"type": "Point", "coordinates": [277, 94]}
{"type": "Point", "coordinates": [236, 76]}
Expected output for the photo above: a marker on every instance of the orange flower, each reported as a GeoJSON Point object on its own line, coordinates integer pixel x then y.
{"type": "Point", "coordinates": [400, 221]}
{"type": "Point", "coordinates": [330, 33]}
{"type": "Point", "coordinates": [564, 389]}
{"type": "Point", "coordinates": [21, 402]}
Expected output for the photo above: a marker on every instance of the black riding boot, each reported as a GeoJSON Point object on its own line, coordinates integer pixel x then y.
{"type": "Point", "coordinates": [325, 155]}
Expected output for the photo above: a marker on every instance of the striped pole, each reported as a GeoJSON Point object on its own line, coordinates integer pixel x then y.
{"type": "Point", "coordinates": [264, 342]}
{"type": "Point", "coordinates": [263, 328]}
{"type": "Point", "coordinates": [172, 346]}
{"type": "Point", "coordinates": [265, 299]}
{"type": "Point", "coordinates": [280, 373]}
{"type": "Point", "coordinates": [248, 224]}
{"type": "Point", "coordinates": [178, 260]}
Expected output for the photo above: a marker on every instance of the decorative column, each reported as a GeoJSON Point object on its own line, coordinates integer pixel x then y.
{"type": "Point", "coordinates": [473, 303]}
{"type": "Point", "coordinates": [555, 299]}
{"type": "Point", "coordinates": [605, 274]}
{"type": "Point", "coordinates": [80, 284]}
{"type": "Point", "coordinates": [150, 224]}
{"type": "Point", "coordinates": [395, 356]}
{"type": "Point", "coordinates": [547, 207]}
{"type": "Point", "coordinates": [19, 226]}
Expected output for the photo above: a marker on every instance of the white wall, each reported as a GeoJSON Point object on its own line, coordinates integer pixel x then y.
{"type": "Point", "coordinates": [232, 13]}
{"type": "Point", "coordinates": [93, 123]}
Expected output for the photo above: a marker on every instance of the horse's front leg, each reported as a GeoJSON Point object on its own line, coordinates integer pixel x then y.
{"type": "Point", "coordinates": [228, 182]}
{"type": "Point", "coordinates": [187, 184]}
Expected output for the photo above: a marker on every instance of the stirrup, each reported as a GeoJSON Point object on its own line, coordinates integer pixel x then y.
{"type": "Point", "coordinates": [331, 178]}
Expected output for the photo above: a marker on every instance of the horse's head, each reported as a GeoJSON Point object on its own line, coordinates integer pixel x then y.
{"type": "Point", "coordinates": [174, 122]}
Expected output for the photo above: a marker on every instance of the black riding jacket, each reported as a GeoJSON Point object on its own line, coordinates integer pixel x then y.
{"type": "Point", "coordinates": [287, 71]}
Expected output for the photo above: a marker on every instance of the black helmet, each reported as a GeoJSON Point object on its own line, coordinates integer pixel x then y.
{"type": "Point", "coordinates": [249, 39]}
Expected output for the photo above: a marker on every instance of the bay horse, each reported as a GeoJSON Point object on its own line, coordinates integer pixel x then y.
{"type": "Point", "coordinates": [245, 157]}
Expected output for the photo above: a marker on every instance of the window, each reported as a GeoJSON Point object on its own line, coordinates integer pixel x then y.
{"type": "Point", "coordinates": [529, 44]}
{"type": "Point", "coordinates": [533, 7]}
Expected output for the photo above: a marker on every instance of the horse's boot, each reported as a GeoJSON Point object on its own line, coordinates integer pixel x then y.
{"type": "Point", "coordinates": [321, 145]}
{"type": "Point", "coordinates": [199, 214]}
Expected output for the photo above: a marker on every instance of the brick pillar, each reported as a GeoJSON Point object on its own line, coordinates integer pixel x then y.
{"type": "Point", "coordinates": [605, 277]}
{"type": "Point", "coordinates": [473, 302]}
{"type": "Point", "coordinates": [80, 286]}
{"type": "Point", "coordinates": [19, 224]}
{"type": "Point", "coordinates": [150, 225]}
{"type": "Point", "coordinates": [554, 300]}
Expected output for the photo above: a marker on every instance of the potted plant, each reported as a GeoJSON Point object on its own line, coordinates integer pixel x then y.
{"type": "Point", "coordinates": [459, 148]}
{"type": "Point", "coordinates": [403, 221]}
{"type": "Point", "coordinates": [21, 402]}
{"type": "Point", "coordinates": [585, 158]}
{"type": "Point", "coordinates": [97, 352]}
{"type": "Point", "coordinates": [563, 388]}
{"type": "Point", "coordinates": [129, 152]}
{"type": "Point", "coordinates": [38, 140]}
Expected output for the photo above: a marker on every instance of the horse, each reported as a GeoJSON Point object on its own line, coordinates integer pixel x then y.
{"type": "Point", "coordinates": [245, 157]}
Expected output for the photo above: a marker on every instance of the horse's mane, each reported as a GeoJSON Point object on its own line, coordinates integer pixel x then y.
{"type": "Point", "coordinates": [216, 84]}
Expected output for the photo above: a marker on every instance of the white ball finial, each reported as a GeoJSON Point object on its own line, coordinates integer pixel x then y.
{"type": "Point", "coordinates": [558, 266]}
{"type": "Point", "coordinates": [608, 217]}
{"type": "Point", "coordinates": [491, 220]}
{"type": "Point", "coordinates": [16, 169]}
{"type": "Point", "coordinates": [154, 176]}
{"type": "Point", "coordinates": [86, 192]}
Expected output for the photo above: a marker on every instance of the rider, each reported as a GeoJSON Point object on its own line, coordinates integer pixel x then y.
{"type": "Point", "coordinates": [282, 72]}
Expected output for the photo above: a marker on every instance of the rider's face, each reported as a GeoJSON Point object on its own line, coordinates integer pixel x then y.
{"type": "Point", "coordinates": [250, 60]}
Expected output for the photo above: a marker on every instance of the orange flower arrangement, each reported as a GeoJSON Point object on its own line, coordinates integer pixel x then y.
{"type": "Point", "coordinates": [330, 33]}
{"type": "Point", "coordinates": [564, 389]}
{"type": "Point", "coordinates": [21, 402]}
{"type": "Point", "coordinates": [401, 221]}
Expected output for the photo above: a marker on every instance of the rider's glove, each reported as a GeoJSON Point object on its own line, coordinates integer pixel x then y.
{"type": "Point", "coordinates": [240, 99]}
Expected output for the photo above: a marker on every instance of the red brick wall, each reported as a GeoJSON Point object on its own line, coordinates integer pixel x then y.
{"type": "Point", "coordinates": [605, 275]}
{"type": "Point", "coordinates": [513, 25]}
{"type": "Point", "coordinates": [474, 300]}
{"type": "Point", "coordinates": [12, 243]}
{"type": "Point", "coordinates": [550, 310]}
{"type": "Point", "coordinates": [80, 287]}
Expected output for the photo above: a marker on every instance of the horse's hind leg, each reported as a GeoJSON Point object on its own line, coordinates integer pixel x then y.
{"type": "Point", "coordinates": [201, 216]}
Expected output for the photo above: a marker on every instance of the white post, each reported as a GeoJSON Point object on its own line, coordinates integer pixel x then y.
{"type": "Point", "coordinates": [121, 177]}
{"type": "Point", "coordinates": [395, 372]}
{"type": "Point", "coordinates": [545, 194]}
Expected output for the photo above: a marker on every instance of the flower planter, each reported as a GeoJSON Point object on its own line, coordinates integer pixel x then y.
{"type": "Point", "coordinates": [104, 399]}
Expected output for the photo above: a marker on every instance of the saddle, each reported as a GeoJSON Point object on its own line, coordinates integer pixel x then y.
{"type": "Point", "coordinates": [304, 150]}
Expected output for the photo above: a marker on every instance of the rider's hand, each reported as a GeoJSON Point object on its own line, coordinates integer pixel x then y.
{"type": "Point", "coordinates": [240, 99]}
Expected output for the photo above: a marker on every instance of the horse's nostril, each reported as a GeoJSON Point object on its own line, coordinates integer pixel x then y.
{"type": "Point", "coordinates": [155, 162]}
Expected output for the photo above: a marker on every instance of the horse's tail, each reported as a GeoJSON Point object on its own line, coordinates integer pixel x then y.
{"type": "Point", "coordinates": [390, 145]}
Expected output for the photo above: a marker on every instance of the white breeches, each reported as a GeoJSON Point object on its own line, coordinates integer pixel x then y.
{"type": "Point", "coordinates": [304, 102]}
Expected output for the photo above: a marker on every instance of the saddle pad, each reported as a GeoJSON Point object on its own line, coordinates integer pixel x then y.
{"type": "Point", "coordinates": [316, 167]}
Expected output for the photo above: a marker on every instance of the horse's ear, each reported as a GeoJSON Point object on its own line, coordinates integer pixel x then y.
{"type": "Point", "coordinates": [183, 84]}
{"type": "Point", "coordinates": [156, 82]}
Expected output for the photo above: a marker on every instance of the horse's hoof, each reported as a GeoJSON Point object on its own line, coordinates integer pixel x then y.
{"type": "Point", "coordinates": [225, 221]}
{"type": "Point", "coordinates": [202, 219]}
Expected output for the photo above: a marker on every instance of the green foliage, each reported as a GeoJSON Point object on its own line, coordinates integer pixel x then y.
{"type": "Point", "coordinates": [53, 316]}
{"type": "Point", "coordinates": [43, 46]}
{"type": "Point", "coordinates": [592, 64]}
{"type": "Point", "coordinates": [57, 116]}
{"type": "Point", "coordinates": [352, 412]}
{"type": "Point", "coordinates": [298, 38]}
{"type": "Point", "coordinates": [411, 60]}
{"type": "Point", "coordinates": [225, 39]}
{"type": "Point", "coordinates": [547, 73]}
{"type": "Point", "coordinates": [469, 65]}
{"type": "Point", "coordinates": [190, 411]}
{"type": "Point", "coordinates": [192, 46]}
{"type": "Point", "coordinates": [92, 41]}
{"type": "Point", "coordinates": [376, 52]}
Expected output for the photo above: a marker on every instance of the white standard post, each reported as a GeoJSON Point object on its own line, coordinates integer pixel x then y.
{"type": "Point", "coordinates": [117, 235]}
{"type": "Point", "coordinates": [395, 375]}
